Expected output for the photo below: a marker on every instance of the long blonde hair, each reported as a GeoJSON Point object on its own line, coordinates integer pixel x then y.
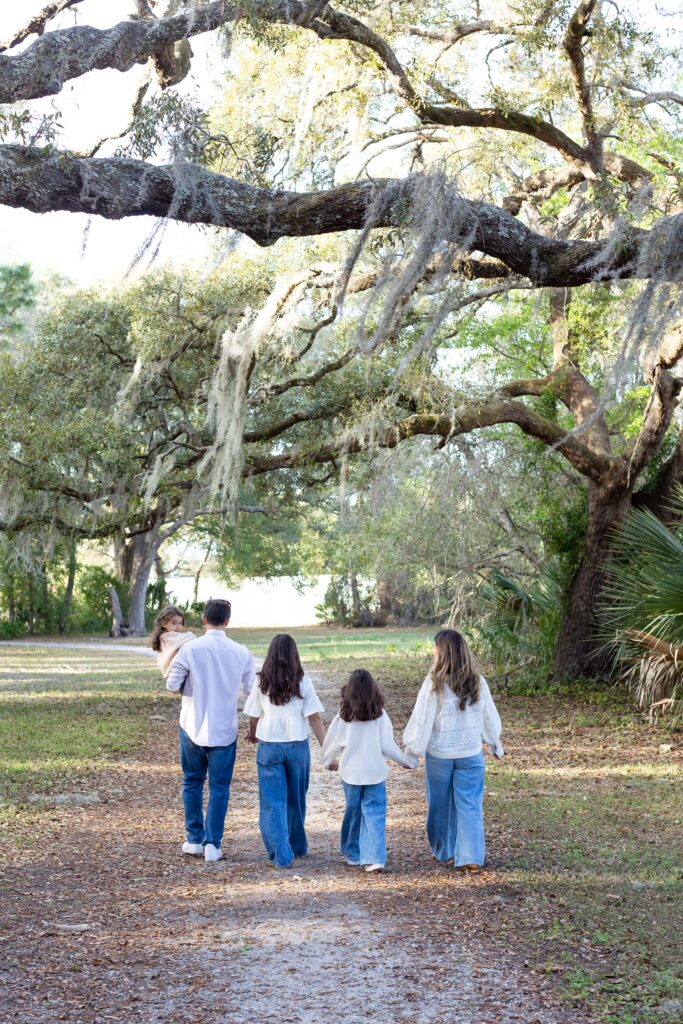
{"type": "Point", "coordinates": [454, 666]}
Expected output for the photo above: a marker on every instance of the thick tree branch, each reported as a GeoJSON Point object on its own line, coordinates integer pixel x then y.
{"type": "Point", "coordinates": [336, 25]}
{"type": "Point", "coordinates": [656, 421]}
{"type": "Point", "coordinates": [465, 420]}
{"type": "Point", "coordinates": [119, 187]}
{"type": "Point", "coordinates": [543, 185]}
{"type": "Point", "coordinates": [571, 386]}
{"type": "Point", "coordinates": [460, 30]}
{"type": "Point", "coordinates": [302, 416]}
{"type": "Point", "coordinates": [60, 56]}
{"type": "Point", "coordinates": [577, 31]}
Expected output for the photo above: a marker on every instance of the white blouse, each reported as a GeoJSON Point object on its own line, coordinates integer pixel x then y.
{"type": "Point", "coordinates": [283, 723]}
{"type": "Point", "coordinates": [361, 748]}
{"type": "Point", "coordinates": [437, 726]}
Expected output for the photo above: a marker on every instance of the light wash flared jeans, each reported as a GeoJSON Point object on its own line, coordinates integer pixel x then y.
{"type": "Point", "coordinates": [363, 831]}
{"type": "Point", "coordinates": [455, 808]}
{"type": "Point", "coordinates": [283, 774]}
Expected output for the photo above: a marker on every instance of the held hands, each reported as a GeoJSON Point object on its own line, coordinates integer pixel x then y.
{"type": "Point", "coordinates": [333, 767]}
{"type": "Point", "coordinates": [249, 738]}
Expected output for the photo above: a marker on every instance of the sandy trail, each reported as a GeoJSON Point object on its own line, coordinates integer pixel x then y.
{"type": "Point", "coordinates": [166, 938]}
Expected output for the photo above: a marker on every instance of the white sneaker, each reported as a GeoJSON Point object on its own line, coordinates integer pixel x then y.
{"type": "Point", "coordinates": [194, 849]}
{"type": "Point", "coordinates": [351, 863]}
{"type": "Point", "coordinates": [212, 853]}
{"type": "Point", "coordinates": [375, 867]}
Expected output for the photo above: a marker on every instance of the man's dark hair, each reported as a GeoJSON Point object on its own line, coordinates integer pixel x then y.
{"type": "Point", "coordinates": [217, 612]}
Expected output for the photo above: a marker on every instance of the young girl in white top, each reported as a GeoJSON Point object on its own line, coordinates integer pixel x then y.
{"type": "Point", "coordinates": [453, 713]}
{"type": "Point", "coordinates": [281, 707]}
{"type": "Point", "coordinates": [168, 637]}
{"type": "Point", "coordinates": [358, 743]}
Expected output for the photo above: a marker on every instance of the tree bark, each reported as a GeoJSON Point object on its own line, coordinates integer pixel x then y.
{"type": "Point", "coordinates": [146, 550]}
{"type": "Point", "coordinates": [578, 649]}
{"type": "Point", "coordinates": [67, 600]}
{"type": "Point", "coordinates": [117, 187]}
{"type": "Point", "coordinates": [119, 626]}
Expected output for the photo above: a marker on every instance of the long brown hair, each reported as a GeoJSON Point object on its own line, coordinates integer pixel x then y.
{"type": "Point", "coordinates": [281, 675]}
{"type": "Point", "coordinates": [160, 624]}
{"type": "Point", "coordinates": [361, 698]}
{"type": "Point", "coordinates": [454, 666]}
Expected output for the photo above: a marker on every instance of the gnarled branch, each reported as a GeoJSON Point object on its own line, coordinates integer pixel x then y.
{"type": "Point", "coordinates": [590, 464]}
{"type": "Point", "coordinates": [120, 187]}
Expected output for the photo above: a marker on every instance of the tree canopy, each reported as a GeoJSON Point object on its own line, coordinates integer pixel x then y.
{"type": "Point", "coordinates": [474, 224]}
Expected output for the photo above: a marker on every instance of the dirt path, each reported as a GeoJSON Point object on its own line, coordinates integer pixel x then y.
{"type": "Point", "coordinates": [107, 921]}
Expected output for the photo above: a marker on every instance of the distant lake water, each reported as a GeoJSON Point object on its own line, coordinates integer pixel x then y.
{"type": "Point", "coordinates": [259, 601]}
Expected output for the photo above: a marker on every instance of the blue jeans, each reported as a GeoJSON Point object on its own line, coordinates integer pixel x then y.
{"type": "Point", "coordinates": [196, 762]}
{"type": "Point", "coordinates": [284, 770]}
{"type": "Point", "coordinates": [363, 833]}
{"type": "Point", "coordinates": [455, 814]}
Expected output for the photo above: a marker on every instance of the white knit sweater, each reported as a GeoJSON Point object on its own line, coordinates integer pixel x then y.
{"type": "Point", "coordinates": [362, 749]}
{"type": "Point", "coordinates": [437, 726]}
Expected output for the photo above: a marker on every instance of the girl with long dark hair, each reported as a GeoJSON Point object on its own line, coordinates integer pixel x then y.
{"type": "Point", "coordinates": [359, 741]}
{"type": "Point", "coordinates": [281, 707]}
{"type": "Point", "coordinates": [453, 713]}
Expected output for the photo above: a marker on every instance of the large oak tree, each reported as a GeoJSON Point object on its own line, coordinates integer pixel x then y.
{"type": "Point", "coordinates": [559, 146]}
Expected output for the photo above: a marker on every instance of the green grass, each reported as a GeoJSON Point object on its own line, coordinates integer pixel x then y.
{"type": "Point", "coordinates": [316, 643]}
{"type": "Point", "coordinates": [66, 716]}
{"type": "Point", "coordinates": [319, 644]}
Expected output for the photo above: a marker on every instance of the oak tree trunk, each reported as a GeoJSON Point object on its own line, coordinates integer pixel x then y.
{"type": "Point", "coordinates": [579, 651]}
{"type": "Point", "coordinates": [67, 600]}
{"type": "Point", "coordinates": [146, 550]}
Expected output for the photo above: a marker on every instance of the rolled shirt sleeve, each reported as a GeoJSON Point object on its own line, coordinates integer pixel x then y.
{"type": "Point", "coordinates": [418, 731]}
{"type": "Point", "coordinates": [249, 674]}
{"type": "Point", "coordinates": [491, 725]}
{"type": "Point", "coordinates": [180, 668]}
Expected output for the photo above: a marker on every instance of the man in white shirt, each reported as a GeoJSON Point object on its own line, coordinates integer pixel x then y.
{"type": "Point", "coordinates": [209, 670]}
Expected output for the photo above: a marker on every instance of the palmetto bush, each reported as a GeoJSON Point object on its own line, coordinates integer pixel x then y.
{"type": "Point", "coordinates": [518, 627]}
{"type": "Point", "coordinates": [642, 610]}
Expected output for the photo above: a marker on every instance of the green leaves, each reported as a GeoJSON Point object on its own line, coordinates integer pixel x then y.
{"type": "Point", "coordinates": [645, 586]}
{"type": "Point", "coordinates": [17, 295]}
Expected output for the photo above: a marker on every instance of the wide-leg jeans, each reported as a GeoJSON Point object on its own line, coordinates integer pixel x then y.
{"type": "Point", "coordinates": [284, 771]}
{"type": "Point", "coordinates": [455, 808]}
{"type": "Point", "coordinates": [363, 833]}
{"type": "Point", "coordinates": [198, 762]}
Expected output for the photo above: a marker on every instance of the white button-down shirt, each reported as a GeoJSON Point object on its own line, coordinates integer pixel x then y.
{"type": "Point", "coordinates": [213, 668]}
